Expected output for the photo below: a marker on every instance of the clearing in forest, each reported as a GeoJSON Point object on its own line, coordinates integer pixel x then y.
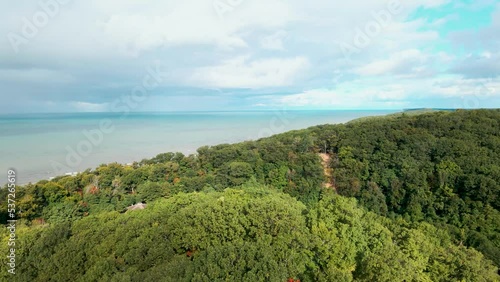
{"type": "Point", "coordinates": [325, 161]}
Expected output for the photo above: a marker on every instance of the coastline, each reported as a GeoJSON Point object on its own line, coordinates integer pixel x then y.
{"type": "Point", "coordinates": [142, 136]}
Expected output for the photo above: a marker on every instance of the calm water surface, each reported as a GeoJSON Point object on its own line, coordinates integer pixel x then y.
{"type": "Point", "coordinates": [39, 146]}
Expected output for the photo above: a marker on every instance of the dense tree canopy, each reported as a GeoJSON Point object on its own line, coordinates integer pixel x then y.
{"type": "Point", "coordinates": [442, 168]}
{"type": "Point", "coordinates": [411, 198]}
{"type": "Point", "coordinates": [251, 233]}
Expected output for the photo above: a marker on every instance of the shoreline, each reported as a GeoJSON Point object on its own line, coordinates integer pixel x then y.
{"type": "Point", "coordinates": [138, 139]}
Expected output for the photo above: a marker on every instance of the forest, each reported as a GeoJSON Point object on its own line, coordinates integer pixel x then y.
{"type": "Point", "coordinates": [404, 197]}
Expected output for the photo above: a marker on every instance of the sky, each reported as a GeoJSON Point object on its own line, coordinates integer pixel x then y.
{"type": "Point", "coordinates": [204, 55]}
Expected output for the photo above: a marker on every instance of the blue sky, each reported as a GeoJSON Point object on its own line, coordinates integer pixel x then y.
{"type": "Point", "coordinates": [98, 55]}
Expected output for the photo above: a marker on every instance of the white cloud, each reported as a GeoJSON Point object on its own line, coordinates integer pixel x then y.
{"type": "Point", "coordinates": [404, 61]}
{"type": "Point", "coordinates": [136, 33]}
{"type": "Point", "coordinates": [484, 65]}
{"type": "Point", "coordinates": [104, 45]}
{"type": "Point", "coordinates": [132, 27]}
{"type": "Point", "coordinates": [344, 97]}
{"type": "Point", "coordinates": [244, 73]}
{"type": "Point", "coordinates": [274, 41]}
{"type": "Point", "coordinates": [386, 93]}
{"type": "Point", "coordinates": [89, 107]}
{"type": "Point", "coordinates": [479, 87]}
{"type": "Point", "coordinates": [432, 3]}
{"type": "Point", "coordinates": [34, 75]}
{"type": "Point", "coordinates": [193, 22]}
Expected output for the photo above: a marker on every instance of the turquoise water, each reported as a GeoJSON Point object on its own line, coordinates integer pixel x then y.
{"type": "Point", "coordinates": [40, 146]}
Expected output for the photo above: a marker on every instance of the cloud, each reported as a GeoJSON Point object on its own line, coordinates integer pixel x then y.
{"type": "Point", "coordinates": [137, 33]}
{"type": "Point", "coordinates": [477, 66]}
{"type": "Point", "coordinates": [192, 22]}
{"type": "Point", "coordinates": [343, 97]}
{"type": "Point", "coordinates": [89, 107]}
{"type": "Point", "coordinates": [34, 75]}
{"type": "Point", "coordinates": [274, 41]}
{"type": "Point", "coordinates": [487, 38]}
{"type": "Point", "coordinates": [478, 87]}
{"type": "Point", "coordinates": [244, 73]}
{"type": "Point", "coordinates": [385, 93]}
{"type": "Point", "coordinates": [402, 62]}
{"type": "Point", "coordinates": [257, 54]}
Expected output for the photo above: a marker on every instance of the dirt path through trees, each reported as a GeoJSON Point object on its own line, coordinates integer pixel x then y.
{"type": "Point", "coordinates": [325, 161]}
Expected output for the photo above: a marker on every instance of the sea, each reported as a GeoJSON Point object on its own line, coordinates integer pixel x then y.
{"type": "Point", "coordinates": [41, 146]}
